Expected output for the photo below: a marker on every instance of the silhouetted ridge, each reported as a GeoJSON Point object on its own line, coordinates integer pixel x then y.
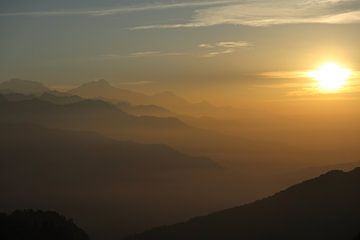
{"type": "Point", "coordinates": [60, 98]}
{"type": "Point", "coordinates": [22, 86]}
{"type": "Point", "coordinates": [87, 114]}
{"type": "Point", "coordinates": [326, 207]}
{"type": "Point", "coordinates": [38, 225]}
{"type": "Point", "coordinates": [147, 110]}
{"type": "Point", "coordinates": [103, 157]}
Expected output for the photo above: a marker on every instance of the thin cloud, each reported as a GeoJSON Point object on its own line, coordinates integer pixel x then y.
{"type": "Point", "coordinates": [221, 48]}
{"type": "Point", "coordinates": [154, 54]}
{"type": "Point", "coordinates": [284, 74]}
{"type": "Point", "coordinates": [115, 10]}
{"type": "Point", "coordinates": [206, 45]}
{"type": "Point", "coordinates": [145, 54]}
{"type": "Point", "coordinates": [217, 53]}
{"type": "Point", "coordinates": [260, 13]}
{"type": "Point", "coordinates": [238, 44]}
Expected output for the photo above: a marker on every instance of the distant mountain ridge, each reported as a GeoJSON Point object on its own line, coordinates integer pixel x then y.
{"type": "Point", "coordinates": [51, 97]}
{"type": "Point", "coordinates": [147, 110]}
{"type": "Point", "coordinates": [84, 112]}
{"type": "Point", "coordinates": [22, 86]}
{"type": "Point", "coordinates": [101, 89]}
{"type": "Point", "coordinates": [326, 207]}
{"type": "Point", "coordinates": [77, 149]}
{"type": "Point", "coordinates": [167, 99]}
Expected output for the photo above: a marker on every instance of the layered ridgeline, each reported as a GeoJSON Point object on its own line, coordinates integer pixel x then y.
{"type": "Point", "coordinates": [73, 112]}
{"type": "Point", "coordinates": [38, 225]}
{"type": "Point", "coordinates": [23, 87]}
{"type": "Point", "coordinates": [326, 207]}
{"type": "Point", "coordinates": [76, 112]}
{"type": "Point", "coordinates": [101, 89]}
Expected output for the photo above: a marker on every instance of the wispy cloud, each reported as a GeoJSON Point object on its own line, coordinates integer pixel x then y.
{"type": "Point", "coordinates": [117, 10]}
{"type": "Point", "coordinates": [144, 54]}
{"type": "Point", "coordinates": [221, 48]}
{"type": "Point", "coordinates": [206, 45]}
{"type": "Point", "coordinates": [284, 74]}
{"type": "Point", "coordinates": [217, 53]}
{"type": "Point", "coordinates": [262, 13]}
{"type": "Point", "coordinates": [155, 54]}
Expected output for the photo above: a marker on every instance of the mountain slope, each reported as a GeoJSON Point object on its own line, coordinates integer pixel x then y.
{"type": "Point", "coordinates": [83, 114]}
{"type": "Point", "coordinates": [22, 87]}
{"type": "Point", "coordinates": [105, 118]}
{"type": "Point", "coordinates": [144, 110]}
{"type": "Point", "coordinates": [326, 207]}
{"type": "Point", "coordinates": [31, 152]}
{"type": "Point", "coordinates": [103, 90]}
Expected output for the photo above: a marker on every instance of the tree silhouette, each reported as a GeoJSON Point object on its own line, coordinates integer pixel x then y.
{"type": "Point", "coordinates": [38, 225]}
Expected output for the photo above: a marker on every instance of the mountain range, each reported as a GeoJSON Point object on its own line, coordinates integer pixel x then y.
{"type": "Point", "coordinates": [22, 86]}
{"type": "Point", "coordinates": [326, 207]}
{"type": "Point", "coordinates": [104, 90]}
{"type": "Point", "coordinates": [101, 89]}
{"type": "Point", "coordinates": [85, 114]}
{"type": "Point", "coordinates": [106, 118]}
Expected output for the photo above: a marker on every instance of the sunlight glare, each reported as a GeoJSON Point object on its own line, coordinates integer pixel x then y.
{"type": "Point", "coordinates": [330, 76]}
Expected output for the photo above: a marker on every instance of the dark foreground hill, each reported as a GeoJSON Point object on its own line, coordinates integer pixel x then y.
{"type": "Point", "coordinates": [38, 225]}
{"type": "Point", "coordinates": [326, 207]}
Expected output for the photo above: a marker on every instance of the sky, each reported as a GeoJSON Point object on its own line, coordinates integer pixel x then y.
{"type": "Point", "coordinates": [220, 49]}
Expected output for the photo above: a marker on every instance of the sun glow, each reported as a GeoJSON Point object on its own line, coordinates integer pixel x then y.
{"type": "Point", "coordinates": [330, 76]}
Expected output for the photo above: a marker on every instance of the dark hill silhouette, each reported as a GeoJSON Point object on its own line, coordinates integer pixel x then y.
{"type": "Point", "coordinates": [22, 87]}
{"type": "Point", "coordinates": [38, 225]}
{"type": "Point", "coordinates": [326, 207]}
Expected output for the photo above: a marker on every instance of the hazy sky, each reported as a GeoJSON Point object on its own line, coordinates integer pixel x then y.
{"type": "Point", "coordinates": [213, 46]}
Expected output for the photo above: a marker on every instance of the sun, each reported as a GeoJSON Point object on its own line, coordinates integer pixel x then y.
{"type": "Point", "coordinates": [330, 76]}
